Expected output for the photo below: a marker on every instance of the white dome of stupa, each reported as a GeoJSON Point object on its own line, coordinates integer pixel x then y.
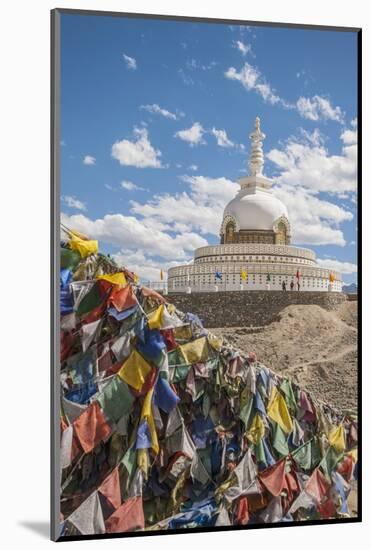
{"type": "Point", "coordinates": [255, 208]}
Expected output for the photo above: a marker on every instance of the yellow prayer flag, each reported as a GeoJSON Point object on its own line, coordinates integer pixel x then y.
{"type": "Point", "coordinates": [114, 278]}
{"type": "Point", "coordinates": [195, 351]}
{"type": "Point", "coordinates": [85, 248]}
{"type": "Point", "coordinates": [256, 431]}
{"type": "Point", "coordinates": [161, 275]}
{"type": "Point", "coordinates": [147, 415]}
{"type": "Point", "coordinates": [135, 370]}
{"type": "Point", "coordinates": [155, 318]}
{"type": "Point", "coordinates": [143, 460]}
{"type": "Point", "coordinates": [214, 341]}
{"type": "Point", "coordinates": [244, 275]}
{"type": "Point", "coordinates": [337, 438]}
{"type": "Point", "coordinates": [277, 410]}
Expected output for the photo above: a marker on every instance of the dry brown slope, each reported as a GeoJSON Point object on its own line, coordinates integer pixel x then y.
{"type": "Point", "coordinates": [317, 348]}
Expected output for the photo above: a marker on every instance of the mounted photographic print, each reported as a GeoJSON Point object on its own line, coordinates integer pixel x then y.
{"type": "Point", "coordinates": [205, 179]}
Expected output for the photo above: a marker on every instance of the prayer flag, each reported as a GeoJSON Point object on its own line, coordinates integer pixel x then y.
{"type": "Point", "coordinates": [337, 438]}
{"type": "Point", "coordinates": [317, 486]}
{"type": "Point", "coordinates": [256, 431]}
{"type": "Point", "coordinates": [88, 517]}
{"type": "Point", "coordinates": [147, 414]}
{"type": "Point", "coordinates": [273, 477]}
{"type": "Point", "coordinates": [277, 410]}
{"type": "Point", "coordinates": [244, 275]}
{"type": "Point", "coordinates": [110, 488]}
{"type": "Point", "coordinates": [91, 427]}
{"type": "Point", "coordinates": [116, 399]}
{"type": "Point", "coordinates": [195, 351]}
{"type": "Point", "coordinates": [135, 370]}
{"type": "Point", "coordinates": [128, 517]}
{"type": "Point", "coordinates": [123, 298]}
{"type": "Point", "coordinates": [85, 248]}
{"type": "Point", "coordinates": [114, 278]}
{"type": "Point", "coordinates": [155, 318]}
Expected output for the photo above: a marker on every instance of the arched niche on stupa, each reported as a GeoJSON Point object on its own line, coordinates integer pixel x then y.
{"type": "Point", "coordinates": [282, 231]}
{"type": "Point", "coordinates": [228, 230]}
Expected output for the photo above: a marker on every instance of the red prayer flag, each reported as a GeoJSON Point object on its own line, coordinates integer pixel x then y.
{"type": "Point", "coordinates": [94, 314]}
{"type": "Point", "coordinates": [242, 512]}
{"type": "Point", "coordinates": [317, 485]}
{"type": "Point", "coordinates": [128, 517]}
{"type": "Point", "coordinates": [327, 509]}
{"type": "Point", "coordinates": [91, 427]}
{"type": "Point", "coordinates": [111, 489]}
{"type": "Point", "coordinates": [123, 298]}
{"type": "Point", "coordinates": [273, 477]}
{"type": "Point", "coordinates": [169, 338]}
{"type": "Point", "coordinates": [298, 274]}
{"type": "Point", "coordinates": [346, 468]}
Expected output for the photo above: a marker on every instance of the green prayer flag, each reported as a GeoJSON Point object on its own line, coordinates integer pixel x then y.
{"type": "Point", "coordinates": [280, 441]}
{"type": "Point", "coordinates": [116, 399]}
{"type": "Point", "coordinates": [246, 409]}
{"type": "Point", "coordinates": [316, 453]}
{"type": "Point", "coordinates": [260, 453]}
{"type": "Point", "coordinates": [90, 301]}
{"type": "Point", "coordinates": [129, 460]}
{"type": "Point", "coordinates": [330, 461]}
{"type": "Point", "coordinates": [176, 358]}
{"type": "Point", "coordinates": [69, 259]}
{"type": "Point", "coordinates": [303, 456]}
{"type": "Point", "coordinates": [286, 389]}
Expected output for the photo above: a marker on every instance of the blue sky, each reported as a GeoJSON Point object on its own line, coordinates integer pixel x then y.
{"type": "Point", "coordinates": [155, 117]}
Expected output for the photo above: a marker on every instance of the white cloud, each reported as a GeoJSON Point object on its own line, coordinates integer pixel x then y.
{"type": "Point", "coordinates": [156, 109]}
{"type": "Point", "coordinates": [139, 153]}
{"type": "Point", "coordinates": [346, 268]}
{"type": "Point", "coordinates": [89, 160]}
{"type": "Point", "coordinates": [147, 268]}
{"type": "Point", "coordinates": [251, 79]}
{"type": "Point", "coordinates": [72, 202]}
{"type": "Point", "coordinates": [242, 47]}
{"type": "Point", "coordinates": [313, 220]}
{"type": "Point", "coordinates": [307, 163]}
{"type": "Point", "coordinates": [221, 138]}
{"type": "Point", "coordinates": [200, 209]}
{"type": "Point", "coordinates": [193, 64]}
{"type": "Point", "coordinates": [312, 108]}
{"type": "Point", "coordinates": [318, 108]}
{"type": "Point", "coordinates": [192, 135]}
{"type": "Point", "coordinates": [130, 62]}
{"type": "Point", "coordinates": [193, 167]}
{"type": "Point", "coordinates": [130, 186]}
{"type": "Point", "coordinates": [148, 235]}
{"type": "Point", "coordinates": [306, 169]}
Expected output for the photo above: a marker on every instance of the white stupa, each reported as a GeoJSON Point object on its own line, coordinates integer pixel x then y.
{"type": "Point", "coordinates": [255, 235]}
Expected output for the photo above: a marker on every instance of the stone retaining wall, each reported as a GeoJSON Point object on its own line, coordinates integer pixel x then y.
{"type": "Point", "coordinates": [251, 308]}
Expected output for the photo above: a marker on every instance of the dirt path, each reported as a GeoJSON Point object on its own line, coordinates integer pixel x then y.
{"type": "Point", "coordinates": [317, 348]}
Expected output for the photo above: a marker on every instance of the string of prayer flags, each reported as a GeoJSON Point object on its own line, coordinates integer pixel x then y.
{"type": "Point", "coordinates": [164, 425]}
